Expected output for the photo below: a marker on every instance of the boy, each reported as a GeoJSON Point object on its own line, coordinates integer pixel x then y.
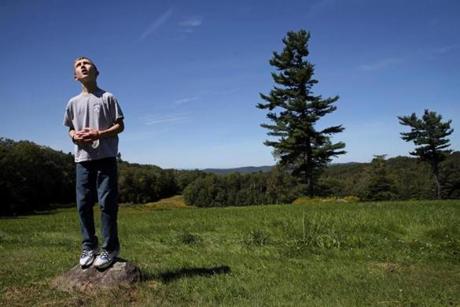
{"type": "Point", "coordinates": [94, 119]}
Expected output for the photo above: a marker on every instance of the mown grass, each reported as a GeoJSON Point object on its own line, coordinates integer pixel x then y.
{"type": "Point", "coordinates": [332, 254]}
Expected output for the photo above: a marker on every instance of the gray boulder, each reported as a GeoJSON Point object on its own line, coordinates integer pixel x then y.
{"type": "Point", "coordinates": [120, 274]}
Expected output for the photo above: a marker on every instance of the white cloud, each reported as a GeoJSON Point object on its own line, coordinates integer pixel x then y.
{"type": "Point", "coordinates": [189, 24]}
{"type": "Point", "coordinates": [153, 120]}
{"type": "Point", "coordinates": [194, 21]}
{"type": "Point", "coordinates": [223, 92]}
{"type": "Point", "coordinates": [445, 49]}
{"type": "Point", "coordinates": [381, 64]}
{"type": "Point", "coordinates": [158, 22]}
{"type": "Point", "coordinates": [185, 100]}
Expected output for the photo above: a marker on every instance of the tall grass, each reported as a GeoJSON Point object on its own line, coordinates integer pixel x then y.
{"type": "Point", "coordinates": [345, 254]}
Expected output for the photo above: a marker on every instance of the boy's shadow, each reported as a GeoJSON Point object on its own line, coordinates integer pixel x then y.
{"type": "Point", "coordinates": [170, 276]}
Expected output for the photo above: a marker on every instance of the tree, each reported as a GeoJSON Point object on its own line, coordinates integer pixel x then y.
{"type": "Point", "coordinates": [449, 176]}
{"type": "Point", "coordinates": [380, 184]}
{"type": "Point", "coordinates": [235, 189]}
{"type": "Point", "coordinates": [33, 177]}
{"type": "Point", "coordinates": [295, 111]}
{"type": "Point", "coordinates": [429, 134]}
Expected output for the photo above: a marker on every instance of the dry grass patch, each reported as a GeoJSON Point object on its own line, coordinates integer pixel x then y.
{"type": "Point", "coordinates": [168, 203]}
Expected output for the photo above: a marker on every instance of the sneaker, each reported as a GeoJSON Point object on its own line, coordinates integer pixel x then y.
{"type": "Point", "coordinates": [87, 257]}
{"type": "Point", "coordinates": [105, 259]}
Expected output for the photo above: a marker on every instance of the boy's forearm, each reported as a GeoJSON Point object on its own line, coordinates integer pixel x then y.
{"type": "Point", "coordinates": [112, 131]}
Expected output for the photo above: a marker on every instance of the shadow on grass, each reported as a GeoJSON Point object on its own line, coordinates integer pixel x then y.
{"type": "Point", "coordinates": [51, 209]}
{"type": "Point", "coordinates": [170, 276]}
{"type": "Point", "coordinates": [11, 217]}
{"type": "Point", "coordinates": [21, 215]}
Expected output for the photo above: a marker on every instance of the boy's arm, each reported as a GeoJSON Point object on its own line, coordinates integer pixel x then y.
{"type": "Point", "coordinates": [91, 134]}
{"type": "Point", "coordinates": [117, 128]}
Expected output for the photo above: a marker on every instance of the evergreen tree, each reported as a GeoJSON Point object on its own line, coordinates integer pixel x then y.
{"type": "Point", "coordinates": [294, 111]}
{"type": "Point", "coordinates": [380, 185]}
{"type": "Point", "coordinates": [449, 176]}
{"type": "Point", "coordinates": [429, 134]}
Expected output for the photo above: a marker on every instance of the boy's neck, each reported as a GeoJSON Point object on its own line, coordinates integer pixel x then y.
{"type": "Point", "coordinates": [89, 87]}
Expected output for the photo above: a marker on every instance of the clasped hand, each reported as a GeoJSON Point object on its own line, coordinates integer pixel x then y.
{"type": "Point", "coordinates": [85, 136]}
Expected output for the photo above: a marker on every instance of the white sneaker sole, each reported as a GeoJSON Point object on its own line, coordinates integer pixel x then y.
{"type": "Point", "coordinates": [88, 263]}
{"type": "Point", "coordinates": [105, 264]}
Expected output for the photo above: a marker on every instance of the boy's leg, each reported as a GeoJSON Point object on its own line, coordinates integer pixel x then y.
{"type": "Point", "coordinates": [86, 192]}
{"type": "Point", "coordinates": [107, 188]}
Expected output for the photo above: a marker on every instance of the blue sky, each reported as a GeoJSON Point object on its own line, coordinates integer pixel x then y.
{"type": "Point", "coordinates": [188, 73]}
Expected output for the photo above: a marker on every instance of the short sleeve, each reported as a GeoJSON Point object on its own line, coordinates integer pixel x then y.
{"type": "Point", "coordinates": [117, 113]}
{"type": "Point", "coordinates": [68, 116]}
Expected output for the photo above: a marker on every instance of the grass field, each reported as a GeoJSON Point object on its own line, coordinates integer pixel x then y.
{"type": "Point", "coordinates": [331, 254]}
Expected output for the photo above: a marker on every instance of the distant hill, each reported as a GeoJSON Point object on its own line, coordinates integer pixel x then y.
{"type": "Point", "coordinates": [242, 170]}
{"type": "Point", "coordinates": [267, 168]}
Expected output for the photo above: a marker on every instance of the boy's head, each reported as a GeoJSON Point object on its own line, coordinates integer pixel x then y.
{"type": "Point", "coordinates": [85, 70]}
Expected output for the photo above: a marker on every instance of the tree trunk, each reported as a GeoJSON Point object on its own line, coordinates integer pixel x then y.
{"type": "Point", "coordinates": [310, 184]}
{"type": "Point", "coordinates": [309, 168]}
{"type": "Point", "coordinates": [309, 181]}
{"type": "Point", "coordinates": [436, 179]}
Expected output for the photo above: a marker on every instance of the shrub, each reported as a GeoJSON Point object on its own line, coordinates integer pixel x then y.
{"type": "Point", "coordinates": [189, 238]}
{"type": "Point", "coordinates": [257, 237]}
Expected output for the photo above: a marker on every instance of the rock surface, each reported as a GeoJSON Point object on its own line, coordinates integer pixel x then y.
{"type": "Point", "coordinates": [121, 273]}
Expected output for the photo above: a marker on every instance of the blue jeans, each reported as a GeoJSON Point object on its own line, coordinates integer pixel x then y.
{"type": "Point", "coordinates": [97, 181]}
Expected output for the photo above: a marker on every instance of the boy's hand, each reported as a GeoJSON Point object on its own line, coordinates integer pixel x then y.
{"type": "Point", "coordinates": [87, 135]}
{"type": "Point", "coordinates": [77, 138]}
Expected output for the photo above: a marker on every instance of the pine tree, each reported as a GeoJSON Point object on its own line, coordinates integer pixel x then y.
{"type": "Point", "coordinates": [380, 184]}
{"type": "Point", "coordinates": [430, 135]}
{"type": "Point", "coordinates": [294, 111]}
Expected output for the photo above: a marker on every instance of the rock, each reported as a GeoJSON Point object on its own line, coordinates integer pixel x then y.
{"type": "Point", "coordinates": [121, 273]}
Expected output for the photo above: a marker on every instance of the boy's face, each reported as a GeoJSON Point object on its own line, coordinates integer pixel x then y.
{"type": "Point", "coordinates": [85, 70]}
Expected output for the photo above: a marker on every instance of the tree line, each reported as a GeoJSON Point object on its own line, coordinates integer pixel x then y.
{"type": "Point", "coordinates": [34, 178]}
{"type": "Point", "coordinates": [235, 189]}
{"type": "Point", "coordinates": [399, 178]}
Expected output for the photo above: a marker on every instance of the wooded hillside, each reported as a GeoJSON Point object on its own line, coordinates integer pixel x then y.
{"type": "Point", "coordinates": [34, 177]}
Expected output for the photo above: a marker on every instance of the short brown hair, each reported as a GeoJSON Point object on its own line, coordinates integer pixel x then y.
{"type": "Point", "coordinates": [86, 58]}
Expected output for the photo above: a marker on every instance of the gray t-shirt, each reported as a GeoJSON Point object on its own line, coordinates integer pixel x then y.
{"type": "Point", "coordinates": [97, 110]}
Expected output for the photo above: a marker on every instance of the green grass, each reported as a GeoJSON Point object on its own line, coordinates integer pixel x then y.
{"type": "Point", "coordinates": [320, 254]}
